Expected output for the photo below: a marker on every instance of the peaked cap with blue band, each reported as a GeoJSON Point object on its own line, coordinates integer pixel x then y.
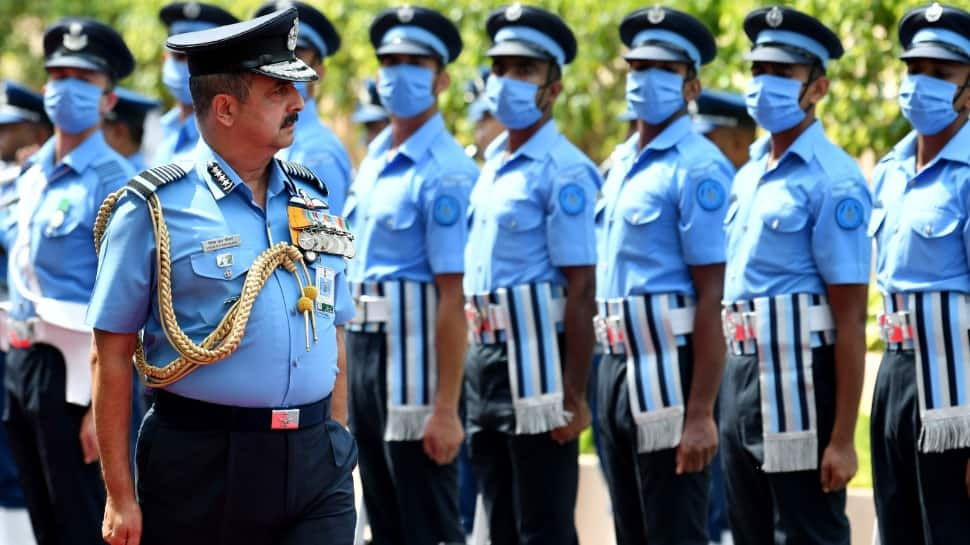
{"type": "Point", "coordinates": [369, 107]}
{"type": "Point", "coordinates": [413, 30]}
{"type": "Point", "coordinates": [132, 106]}
{"type": "Point", "coordinates": [788, 36]}
{"type": "Point", "coordinates": [936, 31]}
{"type": "Point", "coordinates": [527, 31]}
{"type": "Point", "coordinates": [182, 17]}
{"type": "Point", "coordinates": [714, 109]}
{"type": "Point", "coordinates": [316, 31]}
{"type": "Point", "coordinates": [660, 33]}
{"type": "Point", "coordinates": [79, 42]}
{"type": "Point", "coordinates": [263, 45]}
{"type": "Point", "coordinates": [18, 104]}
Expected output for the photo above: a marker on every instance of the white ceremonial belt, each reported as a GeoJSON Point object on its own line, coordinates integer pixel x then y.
{"type": "Point", "coordinates": [610, 324]}
{"type": "Point", "coordinates": [59, 324]}
{"type": "Point", "coordinates": [371, 309]}
{"type": "Point", "coordinates": [739, 326]}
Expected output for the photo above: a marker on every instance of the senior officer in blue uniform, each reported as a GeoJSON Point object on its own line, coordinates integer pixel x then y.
{"type": "Point", "coordinates": [408, 341]}
{"type": "Point", "coordinates": [659, 301]}
{"type": "Point", "coordinates": [243, 442]}
{"type": "Point", "coordinates": [124, 126]}
{"type": "Point", "coordinates": [531, 238]}
{"type": "Point", "coordinates": [921, 404]}
{"type": "Point", "coordinates": [315, 146]}
{"type": "Point", "coordinates": [51, 271]}
{"type": "Point", "coordinates": [179, 130]}
{"type": "Point", "coordinates": [795, 299]}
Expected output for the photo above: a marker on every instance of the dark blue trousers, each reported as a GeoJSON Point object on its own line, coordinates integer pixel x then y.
{"type": "Point", "coordinates": [921, 498]}
{"type": "Point", "coordinates": [11, 495]}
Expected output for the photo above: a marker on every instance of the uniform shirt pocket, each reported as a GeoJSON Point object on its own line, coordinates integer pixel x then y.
{"type": "Point", "coordinates": [784, 243]}
{"type": "Point", "coordinates": [399, 219]}
{"type": "Point", "coordinates": [934, 237]}
{"type": "Point", "coordinates": [519, 216]}
{"type": "Point", "coordinates": [217, 283]}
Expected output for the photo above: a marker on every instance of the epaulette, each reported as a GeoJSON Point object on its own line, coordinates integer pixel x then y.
{"type": "Point", "coordinates": [148, 182]}
{"type": "Point", "coordinates": [297, 170]}
{"type": "Point", "coordinates": [109, 172]}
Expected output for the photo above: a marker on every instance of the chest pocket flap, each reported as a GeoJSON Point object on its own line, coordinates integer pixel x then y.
{"type": "Point", "coordinates": [399, 219]}
{"type": "Point", "coordinates": [788, 219]}
{"type": "Point", "coordinates": [935, 223]}
{"type": "Point", "coordinates": [227, 264]}
{"type": "Point", "coordinates": [642, 213]}
{"type": "Point", "coordinates": [519, 215]}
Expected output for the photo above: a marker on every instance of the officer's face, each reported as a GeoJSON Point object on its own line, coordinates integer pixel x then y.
{"type": "Point", "coordinates": [801, 72]}
{"type": "Point", "coordinates": [692, 88]}
{"type": "Point", "coordinates": [108, 99]}
{"type": "Point", "coordinates": [267, 118]}
{"type": "Point", "coordinates": [532, 70]}
{"type": "Point", "coordinates": [953, 72]}
{"type": "Point", "coordinates": [441, 80]}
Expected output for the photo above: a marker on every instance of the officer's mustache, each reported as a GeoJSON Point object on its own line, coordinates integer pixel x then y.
{"type": "Point", "coordinates": [289, 120]}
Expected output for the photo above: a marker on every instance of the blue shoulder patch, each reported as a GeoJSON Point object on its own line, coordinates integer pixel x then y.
{"type": "Point", "coordinates": [849, 213]}
{"type": "Point", "coordinates": [446, 210]}
{"type": "Point", "coordinates": [572, 199]}
{"type": "Point", "coordinates": [710, 195]}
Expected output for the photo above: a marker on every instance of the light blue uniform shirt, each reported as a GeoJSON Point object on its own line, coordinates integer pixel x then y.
{"type": "Point", "coordinates": [919, 219]}
{"type": "Point", "coordinates": [531, 213]}
{"type": "Point", "coordinates": [178, 137]}
{"type": "Point", "coordinates": [271, 367]}
{"type": "Point", "coordinates": [662, 212]}
{"type": "Point", "coordinates": [137, 161]}
{"type": "Point", "coordinates": [799, 225]}
{"type": "Point", "coordinates": [408, 210]}
{"type": "Point", "coordinates": [61, 247]}
{"type": "Point", "coordinates": [316, 147]}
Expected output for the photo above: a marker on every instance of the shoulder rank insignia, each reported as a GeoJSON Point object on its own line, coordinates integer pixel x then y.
{"type": "Point", "coordinates": [297, 170]}
{"type": "Point", "coordinates": [148, 182]}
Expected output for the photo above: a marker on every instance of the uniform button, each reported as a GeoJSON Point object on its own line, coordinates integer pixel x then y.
{"type": "Point", "coordinates": [389, 223]}
{"type": "Point", "coordinates": [635, 218]}
{"type": "Point", "coordinates": [928, 230]}
{"type": "Point", "coordinates": [295, 364]}
{"type": "Point", "coordinates": [513, 223]}
{"type": "Point", "coordinates": [774, 224]}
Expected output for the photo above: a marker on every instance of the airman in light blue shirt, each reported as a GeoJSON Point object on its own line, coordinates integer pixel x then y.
{"type": "Point", "coordinates": [315, 145]}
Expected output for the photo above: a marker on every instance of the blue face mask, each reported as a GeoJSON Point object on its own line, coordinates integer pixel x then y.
{"type": "Point", "coordinates": [773, 102]}
{"type": "Point", "coordinates": [927, 103]}
{"type": "Point", "coordinates": [175, 76]}
{"type": "Point", "coordinates": [73, 105]}
{"type": "Point", "coordinates": [405, 89]}
{"type": "Point", "coordinates": [513, 101]}
{"type": "Point", "coordinates": [654, 94]}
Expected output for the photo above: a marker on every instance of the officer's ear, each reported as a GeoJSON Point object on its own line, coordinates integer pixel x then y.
{"type": "Point", "coordinates": [442, 81]}
{"type": "Point", "coordinates": [108, 101]}
{"type": "Point", "coordinates": [692, 87]}
{"type": "Point", "coordinates": [817, 89]}
{"type": "Point", "coordinates": [224, 109]}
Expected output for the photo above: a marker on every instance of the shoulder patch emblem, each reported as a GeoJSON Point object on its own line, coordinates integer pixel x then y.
{"type": "Point", "coordinates": [148, 182]}
{"type": "Point", "coordinates": [849, 213]}
{"type": "Point", "coordinates": [446, 210]}
{"type": "Point", "coordinates": [710, 195]}
{"type": "Point", "coordinates": [572, 199]}
{"type": "Point", "coordinates": [297, 170]}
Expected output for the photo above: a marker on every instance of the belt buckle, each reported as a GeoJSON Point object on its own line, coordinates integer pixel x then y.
{"type": "Point", "coordinates": [474, 318]}
{"type": "Point", "coordinates": [614, 333]}
{"type": "Point", "coordinates": [285, 419]}
{"type": "Point", "coordinates": [21, 333]}
{"type": "Point", "coordinates": [737, 326]}
{"type": "Point", "coordinates": [600, 328]}
{"type": "Point", "coordinates": [894, 327]}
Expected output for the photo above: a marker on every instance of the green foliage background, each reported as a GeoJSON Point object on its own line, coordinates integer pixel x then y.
{"type": "Point", "coordinates": [861, 113]}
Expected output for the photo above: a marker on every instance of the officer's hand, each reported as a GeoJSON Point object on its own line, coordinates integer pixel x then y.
{"type": "Point", "coordinates": [122, 523]}
{"type": "Point", "coordinates": [698, 444]}
{"type": "Point", "coordinates": [88, 437]}
{"type": "Point", "coordinates": [839, 465]}
{"type": "Point", "coordinates": [581, 420]}
{"type": "Point", "coordinates": [443, 436]}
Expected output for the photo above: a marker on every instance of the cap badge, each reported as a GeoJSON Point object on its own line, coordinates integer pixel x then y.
{"type": "Point", "coordinates": [513, 12]}
{"type": "Point", "coordinates": [774, 17]}
{"type": "Point", "coordinates": [191, 10]}
{"type": "Point", "coordinates": [294, 31]}
{"type": "Point", "coordinates": [934, 12]}
{"type": "Point", "coordinates": [656, 15]}
{"type": "Point", "coordinates": [283, 4]}
{"type": "Point", "coordinates": [75, 40]}
{"type": "Point", "coordinates": [405, 14]}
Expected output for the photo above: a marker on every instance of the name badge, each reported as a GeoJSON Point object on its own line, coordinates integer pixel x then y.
{"type": "Point", "coordinates": [325, 289]}
{"type": "Point", "coordinates": [221, 243]}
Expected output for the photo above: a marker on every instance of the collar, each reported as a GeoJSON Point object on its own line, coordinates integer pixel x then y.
{"type": "Point", "coordinates": [956, 149]}
{"type": "Point", "coordinates": [672, 135]}
{"type": "Point", "coordinates": [419, 143]}
{"type": "Point", "coordinates": [80, 158]}
{"type": "Point", "coordinates": [204, 155]}
{"type": "Point", "coordinates": [535, 148]}
{"type": "Point", "coordinates": [803, 146]}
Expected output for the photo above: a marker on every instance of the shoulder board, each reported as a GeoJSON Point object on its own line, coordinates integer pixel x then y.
{"type": "Point", "coordinates": [110, 171]}
{"type": "Point", "coordinates": [146, 183]}
{"type": "Point", "coordinates": [297, 170]}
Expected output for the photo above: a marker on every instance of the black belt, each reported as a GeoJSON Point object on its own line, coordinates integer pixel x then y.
{"type": "Point", "coordinates": [194, 414]}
